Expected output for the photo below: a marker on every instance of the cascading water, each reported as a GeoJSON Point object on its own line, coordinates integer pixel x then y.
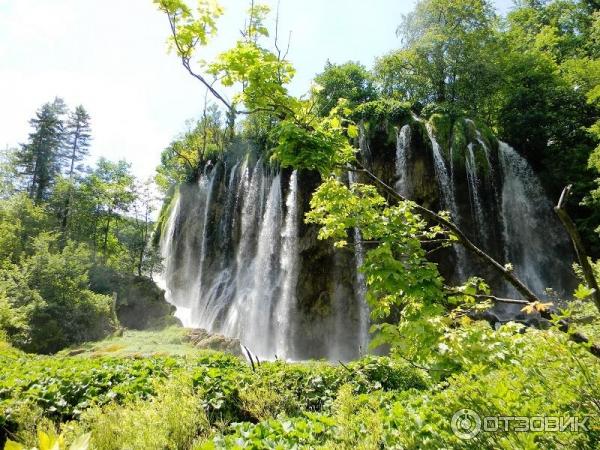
{"type": "Point", "coordinates": [535, 242]}
{"type": "Point", "coordinates": [286, 308]}
{"type": "Point", "coordinates": [239, 259]}
{"type": "Point", "coordinates": [500, 204]}
{"type": "Point", "coordinates": [443, 175]}
{"type": "Point", "coordinates": [233, 254]}
{"type": "Point", "coordinates": [402, 146]}
{"type": "Point", "coordinates": [445, 180]}
{"type": "Point", "coordinates": [473, 180]}
{"type": "Point", "coordinates": [361, 286]}
{"type": "Point", "coordinates": [257, 297]}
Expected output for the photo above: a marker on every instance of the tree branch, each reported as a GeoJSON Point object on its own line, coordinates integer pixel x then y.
{"type": "Point", "coordinates": [505, 272]}
{"type": "Point", "coordinates": [488, 297]}
{"type": "Point", "coordinates": [185, 60]}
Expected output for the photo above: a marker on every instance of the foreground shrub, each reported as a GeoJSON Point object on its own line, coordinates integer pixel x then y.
{"type": "Point", "coordinates": [173, 419]}
{"type": "Point", "coordinates": [534, 374]}
{"type": "Point", "coordinates": [62, 388]}
{"type": "Point", "coordinates": [306, 431]}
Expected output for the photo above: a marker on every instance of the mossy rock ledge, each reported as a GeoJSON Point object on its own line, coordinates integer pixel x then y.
{"type": "Point", "coordinates": [202, 339]}
{"type": "Point", "coordinates": [140, 303]}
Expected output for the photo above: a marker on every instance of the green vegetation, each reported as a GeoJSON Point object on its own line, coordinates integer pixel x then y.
{"type": "Point", "coordinates": [76, 265]}
{"type": "Point", "coordinates": [65, 230]}
{"type": "Point", "coordinates": [178, 398]}
{"type": "Point", "coordinates": [132, 343]}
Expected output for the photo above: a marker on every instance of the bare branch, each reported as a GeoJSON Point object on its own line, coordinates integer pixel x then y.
{"type": "Point", "coordinates": [571, 228]}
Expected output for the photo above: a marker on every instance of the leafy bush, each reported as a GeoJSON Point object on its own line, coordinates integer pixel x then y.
{"type": "Point", "coordinates": [306, 431]}
{"type": "Point", "coordinates": [172, 419]}
{"type": "Point", "coordinates": [64, 387]}
{"type": "Point", "coordinates": [310, 387]}
{"type": "Point", "coordinates": [219, 389]}
{"type": "Point", "coordinates": [49, 299]}
{"type": "Point", "coordinates": [381, 373]}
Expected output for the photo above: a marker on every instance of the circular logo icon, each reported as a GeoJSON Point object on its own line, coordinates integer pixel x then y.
{"type": "Point", "coordinates": [466, 424]}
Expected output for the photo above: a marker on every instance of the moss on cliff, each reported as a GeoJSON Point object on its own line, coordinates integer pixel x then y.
{"type": "Point", "coordinates": [165, 212]}
{"type": "Point", "coordinates": [140, 303]}
{"type": "Point", "coordinates": [442, 125]}
{"type": "Point", "coordinates": [455, 135]}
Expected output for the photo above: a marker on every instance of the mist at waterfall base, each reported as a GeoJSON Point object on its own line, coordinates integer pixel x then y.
{"type": "Point", "coordinates": [239, 259]}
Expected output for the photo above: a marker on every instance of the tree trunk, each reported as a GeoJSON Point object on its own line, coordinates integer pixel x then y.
{"type": "Point", "coordinates": [69, 200]}
{"type": "Point", "coordinates": [582, 256]}
{"type": "Point", "coordinates": [106, 230]}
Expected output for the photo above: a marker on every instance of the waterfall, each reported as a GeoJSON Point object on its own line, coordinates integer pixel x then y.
{"type": "Point", "coordinates": [443, 176]}
{"type": "Point", "coordinates": [169, 255]}
{"type": "Point", "coordinates": [535, 242]}
{"type": "Point", "coordinates": [402, 147]}
{"type": "Point", "coordinates": [285, 310]}
{"type": "Point", "coordinates": [364, 315]}
{"type": "Point", "coordinates": [206, 185]}
{"type": "Point", "coordinates": [448, 199]}
{"type": "Point", "coordinates": [239, 260]}
{"type": "Point", "coordinates": [258, 297]}
{"type": "Point", "coordinates": [474, 182]}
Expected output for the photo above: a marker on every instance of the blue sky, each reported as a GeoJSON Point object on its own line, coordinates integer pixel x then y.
{"type": "Point", "coordinates": [111, 57]}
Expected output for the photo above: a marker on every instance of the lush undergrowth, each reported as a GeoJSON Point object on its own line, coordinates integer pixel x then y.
{"type": "Point", "coordinates": [178, 397]}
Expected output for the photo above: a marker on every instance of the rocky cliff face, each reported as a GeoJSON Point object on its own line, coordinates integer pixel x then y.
{"type": "Point", "coordinates": [241, 261]}
{"type": "Point", "coordinates": [140, 303]}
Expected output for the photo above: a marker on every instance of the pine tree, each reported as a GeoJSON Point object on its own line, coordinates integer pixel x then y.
{"type": "Point", "coordinates": [78, 136]}
{"type": "Point", "coordinates": [40, 158]}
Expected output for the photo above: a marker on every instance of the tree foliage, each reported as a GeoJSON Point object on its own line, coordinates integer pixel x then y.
{"type": "Point", "coordinates": [350, 81]}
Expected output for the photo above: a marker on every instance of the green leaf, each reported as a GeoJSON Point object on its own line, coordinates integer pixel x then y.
{"type": "Point", "coordinates": [11, 445]}
{"type": "Point", "coordinates": [353, 131]}
{"type": "Point", "coordinates": [582, 292]}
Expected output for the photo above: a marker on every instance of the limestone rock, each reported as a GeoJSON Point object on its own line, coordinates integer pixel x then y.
{"type": "Point", "coordinates": [201, 338]}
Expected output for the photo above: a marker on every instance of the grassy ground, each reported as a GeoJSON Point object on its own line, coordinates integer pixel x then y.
{"type": "Point", "coordinates": [171, 341]}
{"type": "Point", "coordinates": [153, 390]}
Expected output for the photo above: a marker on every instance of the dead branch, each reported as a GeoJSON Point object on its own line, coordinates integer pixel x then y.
{"type": "Point", "coordinates": [582, 256]}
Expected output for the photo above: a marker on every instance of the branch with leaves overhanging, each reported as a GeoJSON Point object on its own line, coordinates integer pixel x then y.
{"type": "Point", "coordinates": [261, 73]}
{"type": "Point", "coordinates": [187, 32]}
{"type": "Point", "coordinates": [504, 270]}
